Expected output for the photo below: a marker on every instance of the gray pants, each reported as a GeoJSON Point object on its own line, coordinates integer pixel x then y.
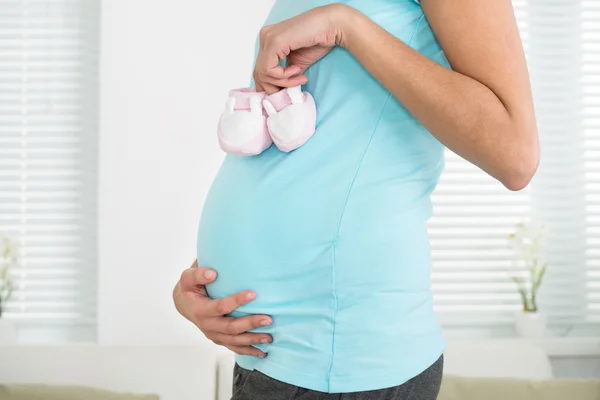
{"type": "Point", "coordinates": [254, 385]}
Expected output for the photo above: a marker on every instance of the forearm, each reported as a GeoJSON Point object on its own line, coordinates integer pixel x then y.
{"type": "Point", "coordinates": [461, 112]}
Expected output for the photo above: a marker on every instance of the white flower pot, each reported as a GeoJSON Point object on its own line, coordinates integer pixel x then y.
{"type": "Point", "coordinates": [530, 324]}
{"type": "Point", "coordinates": [8, 332]}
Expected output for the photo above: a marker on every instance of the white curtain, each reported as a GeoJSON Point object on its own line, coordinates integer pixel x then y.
{"type": "Point", "coordinates": [474, 214]}
{"type": "Point", "coordinates": [48, 135]}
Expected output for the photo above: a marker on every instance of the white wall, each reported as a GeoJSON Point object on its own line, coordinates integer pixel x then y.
{"type": "Point", "coordinates": [166, 68]}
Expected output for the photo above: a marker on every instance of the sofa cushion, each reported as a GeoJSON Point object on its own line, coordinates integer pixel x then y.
{"type": "Point", "coordinates": [47, 392]}
{"type": "Point", "coordinates": [467, 388]}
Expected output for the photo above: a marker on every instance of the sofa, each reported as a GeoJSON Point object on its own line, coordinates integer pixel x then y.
{"type": "Point", "coordinates": [204, 372]}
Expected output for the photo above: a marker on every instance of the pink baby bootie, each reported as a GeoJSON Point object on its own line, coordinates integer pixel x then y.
{"type": "Point", "coordinates": [242, 128]}
{"type": "Point", "coordinates": [292, 117]}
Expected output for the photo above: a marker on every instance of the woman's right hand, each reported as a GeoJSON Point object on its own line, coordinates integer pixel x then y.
{"type": "Point", "coordinates": [210, 315]}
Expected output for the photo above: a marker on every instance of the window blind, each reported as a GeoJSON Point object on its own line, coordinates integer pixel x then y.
{"type": "Point", "coordinates": [48, 135]}
{"type": "Point", "coordinates": [474, 214]}
{"type": "Point", "coordinates": [591, 137]}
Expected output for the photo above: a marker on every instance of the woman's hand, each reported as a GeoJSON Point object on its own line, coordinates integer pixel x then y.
{"type": "Point", "coordinates": [303, 40]}
{"type": "Point", "coordinates": [210, 315]}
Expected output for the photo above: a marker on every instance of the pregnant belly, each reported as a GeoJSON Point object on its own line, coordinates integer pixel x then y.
{"type": "Point", "coordinates": [288, 230]}
{"type": "Point", "coordinates": [260, 247]}
{"type": "Point", "coordinates": [322, 264]}
{"type": "Point", "coordinates": [264, 232]}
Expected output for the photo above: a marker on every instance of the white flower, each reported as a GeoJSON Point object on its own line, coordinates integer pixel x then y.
{"type": "Point", "coordinates": [529, 262]}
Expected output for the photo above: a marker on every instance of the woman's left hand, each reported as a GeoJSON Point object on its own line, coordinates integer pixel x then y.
{"type": "Point", "coordinates": [303, 40]}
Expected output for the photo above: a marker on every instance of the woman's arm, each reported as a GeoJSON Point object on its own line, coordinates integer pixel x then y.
{"type": "Point", "coordinates": [483, 108]}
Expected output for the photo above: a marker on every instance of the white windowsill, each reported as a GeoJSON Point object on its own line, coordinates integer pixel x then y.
{"type": "Point", "coordinates": [568, 347]}
{"type": "Point", "coordinates": [557, 347]}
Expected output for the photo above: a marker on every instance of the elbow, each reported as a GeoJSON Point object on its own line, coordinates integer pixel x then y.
{"type": "Point", "coordinates": [520, 170]}
{"type": "Point", "coordinates": [519, 180]}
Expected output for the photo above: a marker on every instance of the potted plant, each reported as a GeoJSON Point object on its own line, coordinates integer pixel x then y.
{"type": "Point", "coordinates": [529, 267]}
{"type": "Point", "coordinates": [8, 260]}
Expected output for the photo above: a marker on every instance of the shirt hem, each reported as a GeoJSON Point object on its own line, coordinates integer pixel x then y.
{"type": "Point", "coordinates": [360, 383]}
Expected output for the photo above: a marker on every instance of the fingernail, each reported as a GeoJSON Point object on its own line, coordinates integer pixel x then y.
{"type": "Point", "coordinates": [263, 355]}
{"type": "Point", "coordinates": [209, 273]}
{"type": "Point", "coordinates": [265, 322]}
{"type": "Point", "coordinates": [250, 296]}
{"type": "Point", "coordinates": [264, 341]}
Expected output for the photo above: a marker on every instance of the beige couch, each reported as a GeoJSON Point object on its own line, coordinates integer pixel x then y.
{"type": "Point", "coordinates": [55, 392]}
{"type": "Point", "coordinates": [171, 372]}
{"type": "Point", "coordinates": [468, 388]}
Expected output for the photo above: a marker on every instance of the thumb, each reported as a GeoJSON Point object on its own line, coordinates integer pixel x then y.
{"type": "Point", "coordinates": [195, 276]}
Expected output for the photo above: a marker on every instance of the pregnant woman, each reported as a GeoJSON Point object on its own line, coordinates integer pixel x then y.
{"type": "Point", "coordinates": [316, 263]}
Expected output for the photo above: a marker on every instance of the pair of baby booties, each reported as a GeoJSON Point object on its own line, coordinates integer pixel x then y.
{"type": "Point", "coordinates": [253, 121]}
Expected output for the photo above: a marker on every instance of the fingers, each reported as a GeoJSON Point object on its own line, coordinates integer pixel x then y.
{"type": "Point", "coordinates": [297, 80]}
{"type": "Point", "coordinates": [279, 72]}
{"type": "Point", "coordinates": [227, 304]}
{"type": "Point", "coordinates": [235, 326]}
{"type": "Point", "coordinates": [263, 86]}
{"type": "Point", "coordinates": [291, 70]}
{"type": "Point", "coordinates": [271, 111]}
{"type": "Point", "coordinates": [269, 88]}
{"type": "Point", "coordinates": [255, 105]}
{"type": "Point", "coordinates": [247, 351]}
{"type": "Point", "coordinates": [276, 72]}
{"type": "Point", "coordinates": [295, 94]}
{"type": "Point", "coordinates": [192, 277]}
{"type": "Point", "coordinates": [234, 334]}
{"type": "Point", "coordinates": [245, 339]}
{"type": "Point", "coordinates": [266, 82]}
{"type": "Point", "coordinates": [230, 105]}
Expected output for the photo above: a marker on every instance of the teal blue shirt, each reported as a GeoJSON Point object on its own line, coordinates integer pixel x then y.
{"type": "Point", "coordinates": [332, 236]}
